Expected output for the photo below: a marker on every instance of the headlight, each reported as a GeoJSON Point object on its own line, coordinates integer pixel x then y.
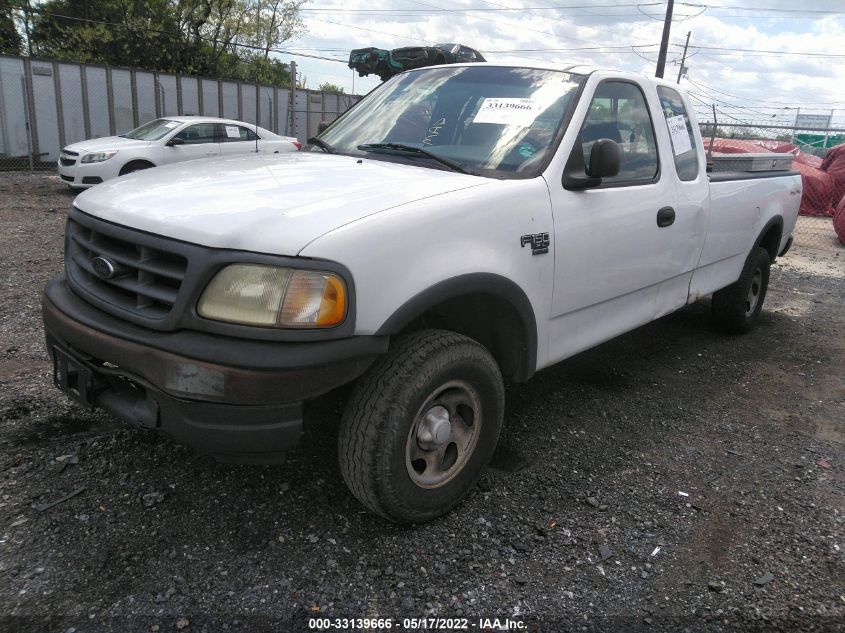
{"type": "Point", "coordinates": [269, 296]}
{"type": "Point", "coordinates": [98, 157]}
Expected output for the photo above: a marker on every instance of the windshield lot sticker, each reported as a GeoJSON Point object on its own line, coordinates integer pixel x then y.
{"type": "Point", "coordinates": [232, 131]}
{"type": "Point", "coordinates": [680, 135]}
{"type": "Point", "coordinates": [521, 112]}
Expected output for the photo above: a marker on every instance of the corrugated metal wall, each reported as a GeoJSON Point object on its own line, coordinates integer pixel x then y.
{"type": "Point", "coordinates": [45, 105]}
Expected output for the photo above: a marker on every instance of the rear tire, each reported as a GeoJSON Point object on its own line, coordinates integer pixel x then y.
{"type": "Point", "coordinates": [421, 426]}
{"type": "Point", "coordinates": [135, 165]}
{"type": "Point", "coordinates": [737, 308]}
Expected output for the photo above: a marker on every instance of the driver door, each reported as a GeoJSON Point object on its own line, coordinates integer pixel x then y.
{"type": "Point", "coordinates": [610, 253]}
{"type": "Point", "coordinates": [199, 140]}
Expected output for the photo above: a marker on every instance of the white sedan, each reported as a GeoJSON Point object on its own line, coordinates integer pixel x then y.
{"type": "Point", "coordinates": [162, 141]}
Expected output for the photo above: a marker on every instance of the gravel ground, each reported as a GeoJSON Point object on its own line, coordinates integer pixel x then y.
{"type": "Point", "coordinates": [671, 479]}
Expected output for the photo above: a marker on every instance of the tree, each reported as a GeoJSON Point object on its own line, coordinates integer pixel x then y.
{"type": "Point", "coordinates": [10, 37]}
{"type": "Point", "coordinates": [330, 87]}
{"type": "Point", "coordinates": [219, 38]}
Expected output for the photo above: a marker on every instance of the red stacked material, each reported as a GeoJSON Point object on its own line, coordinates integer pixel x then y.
{"type": "Point", "coordinates": [839, 221]}
{"type": "Point", "coordinates": [834, 166]}
{"type": "Point", "coordinates": [822, 189]}
{"type": "Point", "coordinates": [806, 159]}
{"type": "Point", "coordinates": [817, 198]}
{"type": "Point", "coordinates": [733, 146]}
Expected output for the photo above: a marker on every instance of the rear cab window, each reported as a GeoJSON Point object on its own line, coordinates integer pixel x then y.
{"type": "Point", "coordinates": [684, 149]}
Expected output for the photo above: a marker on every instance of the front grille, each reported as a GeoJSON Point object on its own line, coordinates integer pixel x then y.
{"type": "Point", "coordinates": [146, 280]}
{"type": "Point", "coordinates": [68, 158]}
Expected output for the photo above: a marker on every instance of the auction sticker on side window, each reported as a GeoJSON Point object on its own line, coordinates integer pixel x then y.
{"type": "Point", "coordinates": [232, 131]}
{"type": "Point", "coordinates": [680, 135]}
{"type": "Point", "coordinates": [508, 111]}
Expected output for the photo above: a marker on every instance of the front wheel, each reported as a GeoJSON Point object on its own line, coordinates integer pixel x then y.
{"type": "Point", "coordinates": [421, 425]}
{"type": "Point", "coordinates": [737, 307]}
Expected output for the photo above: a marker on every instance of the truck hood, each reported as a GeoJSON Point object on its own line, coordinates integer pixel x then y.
{"type": "Point", "coordinates": [105, 144]}
{"type": "Point", "coordinates": [273, 203]}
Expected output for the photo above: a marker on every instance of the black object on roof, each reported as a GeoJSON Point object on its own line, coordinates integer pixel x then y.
{"type": "Point", "coordinates": [385, 64]}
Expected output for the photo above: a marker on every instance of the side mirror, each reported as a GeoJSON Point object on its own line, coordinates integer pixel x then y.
{"type": "Point", "coordinates": [175, 141]}
{"type": "Point", "coordinates": [605, 160]}
{"type": "Point", "coordinates": [323, 127]}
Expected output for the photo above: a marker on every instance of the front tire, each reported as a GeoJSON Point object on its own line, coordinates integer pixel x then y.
{"type": "Point", "coordinates": [421, 426]}
{"type": "Point", "coordinates": [737, 308]}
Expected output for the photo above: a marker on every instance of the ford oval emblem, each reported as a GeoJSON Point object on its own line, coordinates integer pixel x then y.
{"type": "Point", "coordinates": [103, 266]}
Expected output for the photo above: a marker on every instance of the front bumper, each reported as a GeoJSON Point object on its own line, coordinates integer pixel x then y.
{"type": "Point", "coordinates": [236, 399]}
{"type": "Point", "coordinates": [84, 175]}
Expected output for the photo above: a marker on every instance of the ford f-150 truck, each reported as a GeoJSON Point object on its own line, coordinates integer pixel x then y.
{"type": "Point", "coordinates": [462, 226]}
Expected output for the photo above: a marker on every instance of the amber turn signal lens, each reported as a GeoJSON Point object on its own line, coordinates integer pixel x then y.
{"type": "Point", "coordinates": [333, 307]}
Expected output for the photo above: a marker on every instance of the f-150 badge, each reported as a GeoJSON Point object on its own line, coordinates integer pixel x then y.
{"type": "Point", "coordinates": [539, 243]}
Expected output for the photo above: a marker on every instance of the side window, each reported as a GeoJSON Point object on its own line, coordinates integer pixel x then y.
{"type": "Point", "coordinates": [235, 133]}
{"type": "Point", "coordinates": [680, 132]}
{"type": "Point", "coordinates": [198, 133]}
{"type": "Point", "coordinates": [619, 112]}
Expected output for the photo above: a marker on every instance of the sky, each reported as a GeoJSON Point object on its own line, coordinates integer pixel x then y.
{"type": "Point", "coordinates": [756, 60]}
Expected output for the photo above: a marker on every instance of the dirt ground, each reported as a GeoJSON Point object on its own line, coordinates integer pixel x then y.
{"type": "Point", "coordinates": [672, 479]}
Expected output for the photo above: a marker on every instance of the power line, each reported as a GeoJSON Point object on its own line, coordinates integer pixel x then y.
{"type": "Point", "coordinates": [706, 87]}
{"type": "Point", "coordinates": [771, 9]}
{"type": "Point", "coordinates": [477, 9]}
{"type": "Point", "coordinates": [762, 52]}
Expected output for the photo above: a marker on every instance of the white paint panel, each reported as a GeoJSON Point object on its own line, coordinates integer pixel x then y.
{"type": "Point", "coordinates": [13, 135]}
{"type": "Point", "coordinates": [73, 114]}
{"type": "Point", "coordinates": [210, 102]}
{"type": "Point", "coordinates": [121, 82]}
{"type": "Point", "coordinates": [167, 95]}
{"type": "Point", "coordinates": [230, 100]}
{"type": "Point", "coordinates": [98, 104]}
{"type": "Point", "coordinates": [190, 96]}
{"type": "Point", "coordinates": [145, 85]}
{"type": "Point", "coordinates": [44, 93]}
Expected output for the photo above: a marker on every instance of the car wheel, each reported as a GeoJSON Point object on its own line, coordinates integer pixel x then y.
{"type": "Point", "coordinates": [737, 307]}
{"type": "Point", "coordinates": [421, 425]}
{"type": "Point", "coordinates": [135, 165]}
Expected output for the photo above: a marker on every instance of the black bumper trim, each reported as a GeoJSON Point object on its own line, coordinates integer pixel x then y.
{"type": "Point", "coordinates": [232, 433]}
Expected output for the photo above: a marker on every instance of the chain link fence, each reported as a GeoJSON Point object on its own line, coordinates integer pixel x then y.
{"type": "Point", "coordinates": [46, 105]}
{"type": "Point", "coordinates": [818, 154]}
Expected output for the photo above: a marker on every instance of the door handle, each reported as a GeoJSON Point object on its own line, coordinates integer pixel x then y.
{"type": "Point", "coordinates": [665, 217]}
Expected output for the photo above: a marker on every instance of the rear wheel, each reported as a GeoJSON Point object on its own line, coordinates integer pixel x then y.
{"type": "Point", "coordinates": [737, 307]}
{"type": "Point", "coordinates": [135, 165]}
{"type": "Point", "coordinates": [421, 425]}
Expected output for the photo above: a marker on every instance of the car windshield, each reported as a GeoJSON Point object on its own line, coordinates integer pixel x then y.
{"type": "Point", "coordinates": [489, 120]}
{"type": "Point", "coordinates": [153, 130]}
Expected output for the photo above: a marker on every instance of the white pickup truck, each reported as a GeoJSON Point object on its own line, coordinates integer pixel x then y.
{"type": "Point", "coordinates": [461, 226]}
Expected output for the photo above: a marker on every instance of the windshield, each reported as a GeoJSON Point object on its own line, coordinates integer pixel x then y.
{"type": "Point", "coordinates": [153, 130]}
{"type": "Point", "coordinates": [495, 121]}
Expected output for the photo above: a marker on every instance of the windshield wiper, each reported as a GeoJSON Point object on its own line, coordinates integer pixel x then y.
{"type": "Point", "coordinates": [411, 149]}
{"type": "Point", "coordinates": [322, 145]}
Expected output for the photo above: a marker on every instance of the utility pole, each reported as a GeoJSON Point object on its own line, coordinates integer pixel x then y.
{"type": "Point", "coordinates": [26, 16]}
{"type": "Point", "coordinates": [664, 41]}
{"type": "Point", "coordinates": [684, 57]}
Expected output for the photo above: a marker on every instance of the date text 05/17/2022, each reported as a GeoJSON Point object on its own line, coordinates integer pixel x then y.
{"type": "Point", "coordinates": [416, 624]}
